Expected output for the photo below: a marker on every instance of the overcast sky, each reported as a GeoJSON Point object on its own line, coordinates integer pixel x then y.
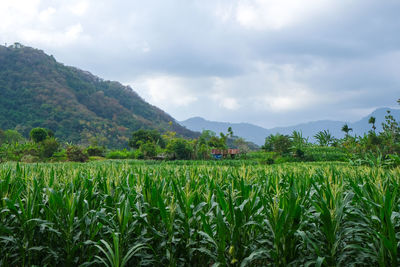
{"type": "Point", "coordinates": [271, 62]}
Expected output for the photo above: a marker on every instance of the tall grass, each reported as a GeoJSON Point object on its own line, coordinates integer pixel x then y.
{"type": "Point", "coordinates": [125, 213]}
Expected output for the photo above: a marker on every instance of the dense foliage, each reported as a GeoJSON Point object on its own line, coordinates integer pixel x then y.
{"type": "Point", "coordinates": [117, 213]}
{"type": "Point", "coordinates": [37, 91]}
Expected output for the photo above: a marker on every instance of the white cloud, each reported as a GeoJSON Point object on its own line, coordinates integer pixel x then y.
{"type": "Point", "coordinates": [80, 8]}
{"type": "Point", "coordinates": [222, 96]}
{"type": "Point", "coordinates": [164, 91]}
{"type": "Point", "coordinates": [278, 14]}
{"type": "Point", "coordinates": [264, 61]}
{"type": "Point", "coordinates": [47, 14]}
{"type": "Point", "coordinates": [59, 38]}
{"type": "Point", "coordinates": [16, 14]}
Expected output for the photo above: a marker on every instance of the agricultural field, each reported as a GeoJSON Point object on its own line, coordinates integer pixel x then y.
{"type": "Point", "coordinates": [146, 213]}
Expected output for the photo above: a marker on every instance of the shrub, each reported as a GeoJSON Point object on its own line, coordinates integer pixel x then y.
{"type": "Point", "coordinates": [59, 156]}
{"type": "Point", "coordinates": [116, 154]}
{"type": "Point", "coordinates": [30, 159]}
{"type": "Point", "coordinates": [121, 154]}
{"type": "Point", "coordinates": [149, 149]}
{"type": "Point", "coordinates": [138, 154]}
{"type": "Point", "coordinates": [95, 151]}
{"type": "Point", "coordinates": [48, 147]}
{"type": "Point", "coordinates": [75, 153]}
{"type": "Point", "coordinates": [2, 137]}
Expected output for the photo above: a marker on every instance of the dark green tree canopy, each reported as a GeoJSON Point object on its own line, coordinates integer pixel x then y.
{"type": "Point", "coordinates": [38, 134]}
{"type": "Point", "coordinates": [142, 136]}
{"type": "Point", "coordinates": [278, 143]}
{"type": "Point", "coordinates": [179, 148]}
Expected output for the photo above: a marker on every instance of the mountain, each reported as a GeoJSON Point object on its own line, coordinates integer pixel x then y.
{"type": "Point", "coordinates": [38, 91]}
{"type": "Point", "coordinates": [257, 134]}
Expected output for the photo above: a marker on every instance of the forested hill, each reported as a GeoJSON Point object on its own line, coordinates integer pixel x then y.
{"type": "Point", "coordinates": [38, 91]}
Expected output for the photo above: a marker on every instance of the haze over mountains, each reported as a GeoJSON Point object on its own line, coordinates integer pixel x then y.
{"type": "Point", "coordinates": [38, 91]}
{"type": "Point", "coordinates": [257, 134]}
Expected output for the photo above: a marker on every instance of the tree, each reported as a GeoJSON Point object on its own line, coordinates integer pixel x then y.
{"type": "Point", "coordinates": [278, 143]}
{"type": "Point", "coordinates": [391, 129]}
{"type": "Point", "coordinates": [324, 138]}
{"type": "Point", "coordinates": [346, 129]}
{"type": "Point", "coordinates": [179, 148]}
{"type": "Point", "coordinates": [38, 134]}
{"type": "Point", "coordinates": [142, 136]}
{"type": "Point", "coordinates": [372, 121]}
{"type": "Point", "coordinates": [390, 124]}
{"type": "Point", "coordinates": [230, 132]}
{"type": "Point", "coordinates": [206, 136]}
{"type": "Point", "coordinates": [223, 138]}
{"type": "Point", "coordinates": [215, 141]}
{"type": "Point", "coordinates": [50, 133]}
{"type": "Point", "coordinates": [298, 139]}
{"type": "Point", "coordinates": [12, 137]}
{"type": "Point", "coordinates": [242, 145]}
{"type": "Point", "coordinates": [149, 149]}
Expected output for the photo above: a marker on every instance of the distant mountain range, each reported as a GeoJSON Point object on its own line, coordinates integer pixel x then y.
{"type": "Point", "coordinates": [257, 134]}
{"type": "Point", "coordinates": [38, 91]}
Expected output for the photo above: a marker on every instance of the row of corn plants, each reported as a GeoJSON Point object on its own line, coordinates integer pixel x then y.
{"type": "Point", "coordinates": [122, 213]}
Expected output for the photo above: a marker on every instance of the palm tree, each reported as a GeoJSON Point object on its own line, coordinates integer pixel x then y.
{"type": "Point", "coordinates": [372, 121]}
{"type": "Point", "coordinates": [346, 129]}
{"type": "Point", "coordinates": [298, 139]}
{"type": "Point", "coordinates": [230, 132]}
{"type": "Point", "coordinates": [324, 138]}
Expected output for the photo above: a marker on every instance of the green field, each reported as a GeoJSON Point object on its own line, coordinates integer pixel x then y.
{"type": "Point", "coordinates": [226, 213]}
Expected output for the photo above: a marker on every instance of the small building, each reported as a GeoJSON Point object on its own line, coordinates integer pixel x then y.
{"type": "Point", "coordinates": [220, 153]}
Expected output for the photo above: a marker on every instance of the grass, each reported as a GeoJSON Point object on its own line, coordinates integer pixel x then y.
{"type": "Point", "coordinates": [203, 213]}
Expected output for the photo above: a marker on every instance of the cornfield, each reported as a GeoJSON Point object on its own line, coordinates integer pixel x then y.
{"type": "Point", "coordinates": [124, 213]}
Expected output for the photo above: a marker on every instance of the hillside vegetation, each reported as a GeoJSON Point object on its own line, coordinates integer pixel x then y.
{"type": "Point", "coordinates": [38, 91]}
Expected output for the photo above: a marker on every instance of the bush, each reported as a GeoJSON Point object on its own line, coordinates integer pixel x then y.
{"type": "Point", "coordinates": [49, 147]}
{"type": "Point", "coordinates": [138, 154]}
{"type": "Point", "coordinates": [95, 151]}
{"type": "Point", "coordinates": [121, 154]}
{"type": "Point", "coordinates": [149, 149]}
{"type": "Point", "coordinates": [116, 154]}
{"type": "Point", "coordinates": [75, 153]}
{"type": "Point", "coordinates": [59, 156]}
{"type": "Point", "coordinates": [30, 159]}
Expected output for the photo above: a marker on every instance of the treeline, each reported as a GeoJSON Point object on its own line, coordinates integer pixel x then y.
{"type": "Point", "coordinates": [42, 146]}
{"type": "Point", "coordinates": [373, 148]}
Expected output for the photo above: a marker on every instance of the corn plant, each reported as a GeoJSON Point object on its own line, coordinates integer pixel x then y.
{"type": "Point", "coordinates": [131, 213]}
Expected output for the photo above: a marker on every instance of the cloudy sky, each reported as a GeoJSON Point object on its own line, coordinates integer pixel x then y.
{"type": "Point", "coordinates": [271, 62]}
